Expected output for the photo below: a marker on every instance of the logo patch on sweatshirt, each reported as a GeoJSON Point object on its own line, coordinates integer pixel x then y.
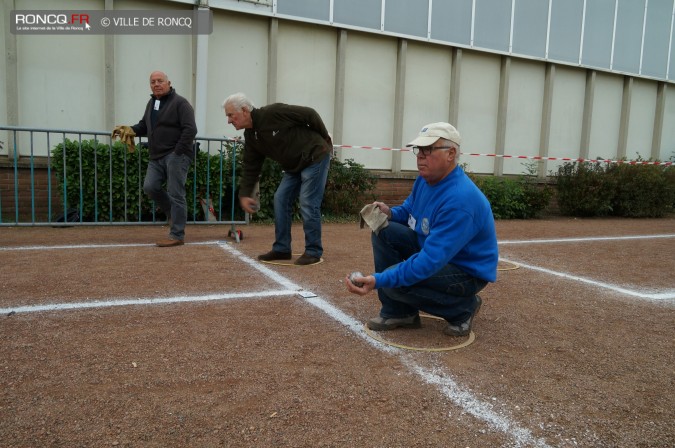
{"type": "Point", "coordinates": [425, 226]}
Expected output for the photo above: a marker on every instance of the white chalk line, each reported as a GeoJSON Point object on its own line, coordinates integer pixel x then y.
{"type": "Point", "coordinates": [258, 266]}
{"type": "Point", "coordinates": [662, 295]}
{"type": "Point", "coordinates": [665, 295]}
{"type": "Point", "coordinates": [442, 380]}
{"type": "Point", "coordinates": [588, 239]}
{"type": "Point", "coordinates": [93, 246]}
{"type": "Point", "coordinates": [144, 301]}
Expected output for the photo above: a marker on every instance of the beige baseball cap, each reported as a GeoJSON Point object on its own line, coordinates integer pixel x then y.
{"type": "Point", "coordinates": [432, 132]}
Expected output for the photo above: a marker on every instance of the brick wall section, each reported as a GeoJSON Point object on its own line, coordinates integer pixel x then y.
{"type": "Point", "coordinates": [38, 192]}
{"type": "Point", "coordinates": [392, 189]}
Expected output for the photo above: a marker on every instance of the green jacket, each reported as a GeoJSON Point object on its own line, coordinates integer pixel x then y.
{"type": "Point", "coordinates": [293, 136]}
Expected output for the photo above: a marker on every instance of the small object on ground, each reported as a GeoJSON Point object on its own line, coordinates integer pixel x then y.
{"type": "Point", "coordinates": [232, 234]}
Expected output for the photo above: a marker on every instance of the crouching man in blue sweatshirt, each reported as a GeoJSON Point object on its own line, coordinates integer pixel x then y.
{"type": "Point", "coordinates": [438, 249]}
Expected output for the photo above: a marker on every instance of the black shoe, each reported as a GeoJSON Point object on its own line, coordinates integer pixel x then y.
{"type": "Point", "coordinates": [382, 324]}
{"type": "Point", "coordinates": [464, 328]}
{"type": "Point", "coordinates": [274, 255]}
{"type": "Point", "coordinates": [305, 260]}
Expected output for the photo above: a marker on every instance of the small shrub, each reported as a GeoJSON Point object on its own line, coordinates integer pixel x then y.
{"type": "Point", "coordinates": [584, 190]}
{"type": "Point", "coordinates": [270, 178]}
{"type": "Point", "coordinates": [642, 191]}
{"type": "Point", "coordinates": [521, 198]}
{"type": "Point", "coordinates": [348, 182]}
{"type": "Point", "coordinates": [514, 199]}
{"type": "Point", "coordinates": [617, 189]}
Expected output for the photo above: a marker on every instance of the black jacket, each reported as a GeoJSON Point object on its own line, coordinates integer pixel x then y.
{"type": "Point", "coordinates": [293, 136]}
{"type": "Point", "coordinates": [174, 128]}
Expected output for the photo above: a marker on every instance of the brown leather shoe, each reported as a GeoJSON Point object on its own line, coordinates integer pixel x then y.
{"type": "Point", "coordinates": [169, 243]}
{"type": "Point", "coordinates": [274, 255]}
{"type": "Point", "coordinates": [305, 260]}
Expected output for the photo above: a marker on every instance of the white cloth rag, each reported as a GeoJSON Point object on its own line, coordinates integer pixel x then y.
{"type": "Point", "coordinates": [375, 218]}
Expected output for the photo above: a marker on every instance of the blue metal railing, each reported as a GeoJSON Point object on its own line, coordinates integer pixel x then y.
{"type": "Point", "coordinates": [18, 199]}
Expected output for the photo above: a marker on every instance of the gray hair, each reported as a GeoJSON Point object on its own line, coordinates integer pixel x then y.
{"type": "Point", "coordinates": [454, 145]}
{"type": "Point", "coordinates": [239, 101]}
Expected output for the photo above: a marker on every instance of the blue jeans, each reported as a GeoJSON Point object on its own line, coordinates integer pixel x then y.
{"type": "Point", "coordinates": [450, 293]}
{"type": "Point", "coordinates": [309, 184]}
{"type": "Point", "coordinates": [172, 168]}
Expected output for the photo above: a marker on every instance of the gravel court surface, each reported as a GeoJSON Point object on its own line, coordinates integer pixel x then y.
{"type": "Point", "coordinates": [644, 265]}
{"type": "Point", "coordinates": [554, 363]}
{"type": "Point", "coordinates": [123, 271]}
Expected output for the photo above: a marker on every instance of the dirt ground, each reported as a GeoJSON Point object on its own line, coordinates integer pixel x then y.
{"type": "Point", "coordinates": [107, 340]}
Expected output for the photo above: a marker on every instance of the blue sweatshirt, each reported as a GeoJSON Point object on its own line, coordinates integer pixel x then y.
{"type": "Point", "coordinates": [454, 225]}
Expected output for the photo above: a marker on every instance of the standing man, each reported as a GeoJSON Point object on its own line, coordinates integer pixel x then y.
{"type": "Point", "coordinates": [296, 138]}
{"type": "Point", "coordinates": [169, 124]}
{"type": "Point", "coordinates": [439, 248]}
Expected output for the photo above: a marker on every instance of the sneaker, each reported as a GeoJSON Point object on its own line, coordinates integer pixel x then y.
{"type": "Point", "coordinates": [274, 255]}
{"type": "Point", "coordinates": [464, 328]}
{"type": "Point", "coordinates": [169, 243]}
{"type": "Point", "coordinates": [307, 259]}
{"type": "Point", "coordinates": [382, 324]}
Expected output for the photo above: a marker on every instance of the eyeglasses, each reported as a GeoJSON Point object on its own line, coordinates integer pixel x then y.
{"type": "Point", "coordinates": [427, 150]}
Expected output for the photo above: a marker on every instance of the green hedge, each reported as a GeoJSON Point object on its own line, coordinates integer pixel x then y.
{"type": "Point", "coordinates": [615, 189]}
{"type": "Point", "coordinates": [87, 169]}
{"type": "Point", "coordinates": [520, 198]}
{"type": "Point", "coordinates": [105, 183]}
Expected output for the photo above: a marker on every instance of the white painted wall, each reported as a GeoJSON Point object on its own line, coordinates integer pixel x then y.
{"type": "Point", "coordinates": [641, 125]}
{"type": "Point", "coordinates": [523, 123]}
{"type": "Point", "coordinates": [306, 68]}
{"type": "Point", "coordinates": [237, 63]}
{"type": "Point", "coordinates": [60, 81]}
{"type": "Point", "coordinates": [478, 100]}
{"type": "Point", "coordinates": [668, 137]}
{"type": "Point", "coordinates": [61, 85]}
{"type": "Point", "coordinates": [369, 105]}
{"type": "Point", "coordinates": [606, 120]}
{"type": "Point", "coordinates": [3, 76]}
{"type": "Point", "coordinates": [566, 114]}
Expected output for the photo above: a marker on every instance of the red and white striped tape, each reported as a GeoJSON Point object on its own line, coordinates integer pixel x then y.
{"type": "Point", "coordinates": [506, 156]}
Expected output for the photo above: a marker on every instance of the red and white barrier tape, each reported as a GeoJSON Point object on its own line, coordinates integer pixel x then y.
{"type": "Point", "coordinates": [506, 156]}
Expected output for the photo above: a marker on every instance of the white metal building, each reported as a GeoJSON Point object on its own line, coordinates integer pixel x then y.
{"type": "Point", "coordinates": [554, 78]}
